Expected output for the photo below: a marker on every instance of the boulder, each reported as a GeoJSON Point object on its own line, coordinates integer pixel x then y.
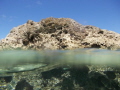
{"type": "Point", "coordinates": [59, 33]}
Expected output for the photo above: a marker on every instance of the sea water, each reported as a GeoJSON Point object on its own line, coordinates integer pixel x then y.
{"type": "Point", "coordinates": [24, 60]}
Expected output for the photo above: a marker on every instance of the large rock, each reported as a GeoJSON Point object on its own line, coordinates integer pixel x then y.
{"type": "Point", "coordinates": [59, 33]}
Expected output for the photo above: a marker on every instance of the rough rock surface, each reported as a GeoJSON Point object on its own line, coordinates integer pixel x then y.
{"type": "Point", "coordinates": [59, 33]}
{"type": "Point", "coordinates": [63, 78]}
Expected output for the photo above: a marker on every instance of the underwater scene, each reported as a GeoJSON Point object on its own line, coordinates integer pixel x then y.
{"type": "Point", "coordinates": [78, 69]}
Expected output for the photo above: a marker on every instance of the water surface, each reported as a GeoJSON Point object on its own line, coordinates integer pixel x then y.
{"type": "Point", "coordinates": [22, 60]}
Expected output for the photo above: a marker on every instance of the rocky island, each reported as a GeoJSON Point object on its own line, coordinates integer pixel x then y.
{"type": "Point", "coordinates": [61, 34]}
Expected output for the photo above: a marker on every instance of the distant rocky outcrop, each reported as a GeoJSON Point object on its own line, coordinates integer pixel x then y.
{"type": "Point", "coordinates": [59, 33]}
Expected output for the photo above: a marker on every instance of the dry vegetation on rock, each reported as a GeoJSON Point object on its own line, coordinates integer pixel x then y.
{"type": "Point", "coordinates": [59, 33]}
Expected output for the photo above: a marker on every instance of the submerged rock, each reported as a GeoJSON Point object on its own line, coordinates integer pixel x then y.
{"type": "Point", "coordinates": [62, 78]}
{"type": "Point", "coordinates": [59, 33]}
{"type": "Point", "coordinates": [79, 69]}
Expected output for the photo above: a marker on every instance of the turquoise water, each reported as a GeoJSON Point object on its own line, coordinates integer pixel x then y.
{"type": "Point", "coordinates": [22, 60]}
